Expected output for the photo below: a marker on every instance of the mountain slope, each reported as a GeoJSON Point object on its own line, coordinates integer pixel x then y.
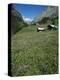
{"type": "Point", "coordinates": [51, 12]}
{"type": "Point", "coordinates": [17, 22]}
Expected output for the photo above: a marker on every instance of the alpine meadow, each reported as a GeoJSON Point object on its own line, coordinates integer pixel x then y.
{"type": "Point", "coordinates": [34, 40]}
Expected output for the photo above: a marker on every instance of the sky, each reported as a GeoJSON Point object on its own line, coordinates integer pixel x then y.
{"type": "Point", "coordinates": [29, 12]}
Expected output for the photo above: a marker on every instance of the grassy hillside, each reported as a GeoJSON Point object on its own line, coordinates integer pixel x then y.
{"type": "Point", "coordinates": [34, 53]}
{"type": "Point", "coordinates": [17, 22]}
{"type": "Point", "coordinates": [49, 21]}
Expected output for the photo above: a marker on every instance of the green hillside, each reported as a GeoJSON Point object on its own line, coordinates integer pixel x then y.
{"type": "Point", "coordinates": [34, 53]}
{"type": "Point", "coordinates": [48, 21]}
{"type": "Point", "coordinates": [17, 22]}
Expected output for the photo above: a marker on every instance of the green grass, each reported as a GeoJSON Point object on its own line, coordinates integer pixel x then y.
{"type": "Point", "coordinates": [34, 53]}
